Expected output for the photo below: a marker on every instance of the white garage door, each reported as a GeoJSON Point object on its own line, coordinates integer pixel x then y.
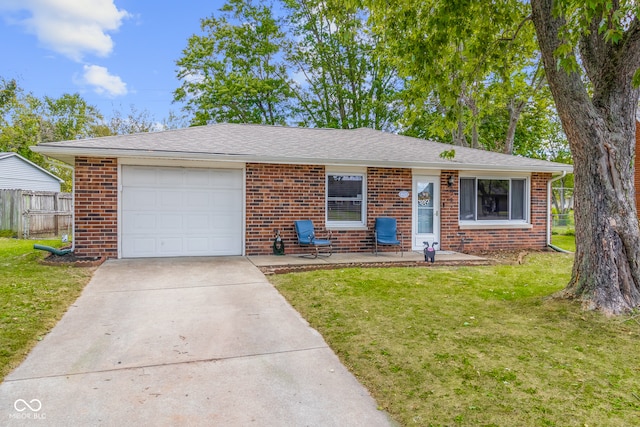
{"type": "Point", "coordinates": [170, 212]}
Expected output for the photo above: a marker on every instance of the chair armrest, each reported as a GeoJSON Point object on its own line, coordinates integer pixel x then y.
{"type": "Point", "coordinates": [323, 234]}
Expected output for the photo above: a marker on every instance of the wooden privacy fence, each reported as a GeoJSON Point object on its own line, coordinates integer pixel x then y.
{"type": "Point", "coordinates": [36, 213]}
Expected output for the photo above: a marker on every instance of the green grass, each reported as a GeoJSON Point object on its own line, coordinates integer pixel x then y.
{"type": "Point", "coordinates": [566, 242]}
{"type": "Point", "coordinates": [475, 346]}
{"type": "Point", "coordinates": [33, 297]}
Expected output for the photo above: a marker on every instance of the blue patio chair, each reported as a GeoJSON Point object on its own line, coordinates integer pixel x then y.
{"type": "Point", "coordinates": [386, 233]}
{"type": "Point", "coordinates": [307, 237]}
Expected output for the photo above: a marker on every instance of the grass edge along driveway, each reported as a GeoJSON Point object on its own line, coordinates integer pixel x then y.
{"type": "Point", "coordinates": [33, 297]}
{"type": "Point", "coordinates": [475, 345]}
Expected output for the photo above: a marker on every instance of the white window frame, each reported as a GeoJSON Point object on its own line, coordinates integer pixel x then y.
{"type": "Point", "coordinates": [508, 223]}
{"type": "Point", "coordinates": [362, 224]}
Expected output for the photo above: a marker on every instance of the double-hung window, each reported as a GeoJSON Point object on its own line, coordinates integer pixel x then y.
{"type": "Point", "coordinates": [346, 200]}
{"type": "Point", "coordinates": [494, 200]}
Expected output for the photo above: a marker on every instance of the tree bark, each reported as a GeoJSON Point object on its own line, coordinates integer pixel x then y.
{"type": "Point", "coordinates": [515, 109]}
{"type": "Point", "coordinates": [600, 129]}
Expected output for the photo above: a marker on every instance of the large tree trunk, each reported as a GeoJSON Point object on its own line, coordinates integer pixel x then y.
{"type": "Point", "coordinates": [601, 132]}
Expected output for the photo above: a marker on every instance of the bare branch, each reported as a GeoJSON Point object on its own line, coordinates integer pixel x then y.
{"type": "Point", "coordinates": [515, 34]}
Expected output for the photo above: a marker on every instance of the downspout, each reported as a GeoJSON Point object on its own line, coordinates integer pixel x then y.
{"type": "Point", "coordinates": [73, 207]}
{"type": "Point", "coordinates": [552, 180]}
{"type": "Point", "coordinates": [73, 203]}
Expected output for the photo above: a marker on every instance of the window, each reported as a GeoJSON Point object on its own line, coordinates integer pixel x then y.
{"type": "Point", "coordinates": [345, 199]}
{"type": "Point", "coordinates": [493, 199]}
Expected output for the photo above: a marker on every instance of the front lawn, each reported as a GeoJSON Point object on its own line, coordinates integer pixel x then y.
{"type": "Point", "coordinates": [475, 346]}
{"type": "Point", "coordinates": [33, 297]}
{"type": "Point", "coordinates": [564, 241]}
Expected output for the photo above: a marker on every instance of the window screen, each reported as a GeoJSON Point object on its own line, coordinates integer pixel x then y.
{"type": "Point", "coordinates": [344, 198]}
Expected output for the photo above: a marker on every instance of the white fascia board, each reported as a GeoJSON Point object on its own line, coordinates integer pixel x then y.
{"type": "Point", "coordinates": [71, 152]}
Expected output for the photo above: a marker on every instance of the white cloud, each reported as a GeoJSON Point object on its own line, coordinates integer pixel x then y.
{"type": "Point", "coordinates": [73, 28]}
{"type": "Point", "coordinates": [102, 82]}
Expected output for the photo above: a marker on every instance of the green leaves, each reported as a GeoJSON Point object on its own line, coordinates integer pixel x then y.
{"type": "Point", "coordinates": [26, 120]}
{"type": "Point", "coordinates": [344, 84]}
{"type": "Point", "coordinates": [234, 72]}
{"type": "Point", "coordinates": [448, 154]}
{"type": "Point", "coordinates": [467, 66]}
{"type": "Point", "coordinates": [636, 79]}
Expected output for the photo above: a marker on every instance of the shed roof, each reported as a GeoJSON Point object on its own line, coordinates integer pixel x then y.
{"type": "Point", "coordinates": [294, 145]}
{"type": "Point", "coordinates": [6, 155]}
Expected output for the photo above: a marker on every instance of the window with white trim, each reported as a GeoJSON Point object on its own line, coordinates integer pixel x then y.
{"type": "Point", "coordinates": [346, 201]}
{"type": "Point", "coordinates": [494, 200]}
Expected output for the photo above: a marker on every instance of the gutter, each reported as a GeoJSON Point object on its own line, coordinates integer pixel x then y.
{"type": "Point", "coordinates": [67, 153]}
{"type": "Point", "coordinates": [552, 180]}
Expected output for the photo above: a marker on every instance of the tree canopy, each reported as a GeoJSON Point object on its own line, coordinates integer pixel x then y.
{"type": "Point", "coordinates": [234, 72]}
{"type": "Point", "coordinates": [27, 120]}
{"type": "Point", "coordinates": [591, 57]}
{"type": "Point", "coordinates": [336, 64]}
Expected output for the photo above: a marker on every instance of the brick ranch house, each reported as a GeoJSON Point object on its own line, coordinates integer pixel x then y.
{"type": "Point", "coordinates": [224, 189]}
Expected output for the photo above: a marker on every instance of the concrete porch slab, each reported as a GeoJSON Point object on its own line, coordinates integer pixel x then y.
{"type": "Point", "coordinates": [442, 258]}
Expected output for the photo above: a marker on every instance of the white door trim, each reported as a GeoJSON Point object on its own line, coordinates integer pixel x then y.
{"type": "Point", "coordinates": [417, 239]}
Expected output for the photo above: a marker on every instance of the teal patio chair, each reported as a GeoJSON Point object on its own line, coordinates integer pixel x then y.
{"type": "Point", "coordinates": [307, 237]}
{"type": "Point", "coordinates": [386, 233]}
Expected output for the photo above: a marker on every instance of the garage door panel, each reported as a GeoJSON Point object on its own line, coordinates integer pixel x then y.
{"type": "Point", "coordinates": [140, 176]}
{"type": "Point", "coordinates": [169, 223]}
{"type": "Point", "coordinates": [139, 197]}
{"type": "Point", "coordinates": [198, 222]}
{"type": "Point", "coordinates": [226, 182]}
{"type": "Point", "coordinates": [225, 224]}
{"type": "Point", "coordinates": [169, 177]}
{"type": "Point", "coordinates": [170, 245]}
{"type": "Point", "coordinates": [198, 244]}
{"type": "Point", "coordinates": [138, 223]}
{"type": "Point", "coordinates": [198, 178]}
{"type": "Point", "coordinates": [227, 244]}
{"type": "Point", "coordinates": [221, 198]}
{"type": "Point", "coordinates": [169, 200]}
{"type": "Point", "coordinates": [140, 246]}
{"type": "Point", "coordinates": [197, 199]}
{"type": "Point", "coordinates": [181, 212]}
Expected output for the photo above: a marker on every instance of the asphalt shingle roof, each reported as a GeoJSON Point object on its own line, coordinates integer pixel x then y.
{"type": "Point", "coordinates": [275, 144]}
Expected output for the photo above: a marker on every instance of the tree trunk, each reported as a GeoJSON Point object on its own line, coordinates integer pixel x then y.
{"type": "Point", "coordinates": [601, 132]}
{"type": "Point", "coordinates": [515, 109]}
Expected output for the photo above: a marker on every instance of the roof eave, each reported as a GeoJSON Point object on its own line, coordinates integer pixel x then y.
{"type": "Point", "coordinates": [67, 155]}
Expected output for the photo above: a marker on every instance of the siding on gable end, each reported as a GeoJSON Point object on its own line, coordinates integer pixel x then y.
{"type": "Point", "coordinates": [16, 174]}
{"type": "Point", "coordinates": [96, 207]}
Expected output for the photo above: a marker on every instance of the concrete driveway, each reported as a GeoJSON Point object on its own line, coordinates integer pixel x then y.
{"type": "Point", "coordinates": [195, 341]}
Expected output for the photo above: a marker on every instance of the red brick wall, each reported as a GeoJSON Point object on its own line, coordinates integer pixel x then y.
{"type": "Point", "coordinates": [383, 186]}
{"type": "Point", "coordinates": [276, 195]}
{"type": "Point", "coordinates": [96, 207]}
{"type": "Point", "coordinates": [455, 239]}
{"type": "Point", "coordinates": [279, 194]}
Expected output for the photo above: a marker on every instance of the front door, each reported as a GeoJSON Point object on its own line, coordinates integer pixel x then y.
{"type": "Point", "coordinates": [426, 210]}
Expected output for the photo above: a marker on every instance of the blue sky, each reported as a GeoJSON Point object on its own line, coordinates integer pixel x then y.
{"type": "Point", "coordinates": [115, 53]}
